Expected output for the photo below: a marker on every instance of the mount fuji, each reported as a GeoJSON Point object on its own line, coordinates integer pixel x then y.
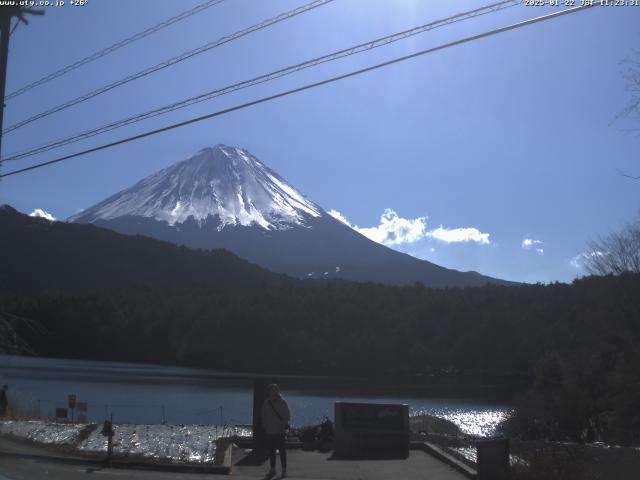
{"type": "Point", "coordinates": [224, 197]}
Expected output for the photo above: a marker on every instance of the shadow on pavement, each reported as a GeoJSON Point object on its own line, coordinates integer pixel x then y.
{"type": "Point", "coordinates": [253, 459]}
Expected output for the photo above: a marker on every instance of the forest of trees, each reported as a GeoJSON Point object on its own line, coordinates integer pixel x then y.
{"type": "Point", "coordinates": [578, 343]}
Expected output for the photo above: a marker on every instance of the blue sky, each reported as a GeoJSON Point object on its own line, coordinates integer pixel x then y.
{"type": "Point", "coordinates": [506, 142]}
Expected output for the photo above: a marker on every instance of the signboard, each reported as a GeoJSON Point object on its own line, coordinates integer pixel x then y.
{"type": "Point", "coordinates": [72, 401]}
{"type": "Point", "coordinates": [387, 417]}
{"type": "Point", "coordinates": [82, 406]}
{"type": "Point", "coordinates": [371, 429]}
{"type": "Point", "coordinates": [61, 413]}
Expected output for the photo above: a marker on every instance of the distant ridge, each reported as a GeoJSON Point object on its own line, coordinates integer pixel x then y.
{"type": "Point", "coordinates": [37, 254]}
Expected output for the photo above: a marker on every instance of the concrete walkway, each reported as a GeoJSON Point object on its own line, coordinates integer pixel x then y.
{"type": "Point", "coordinates": [318, 466]}
{"type": "Point", "coordinates": [25, 462]}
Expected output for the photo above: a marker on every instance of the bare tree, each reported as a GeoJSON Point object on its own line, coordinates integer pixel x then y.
{"type": "Point", "coordinates": [616, 253]}
{"type": "Point", "coordinates": [631, 75]}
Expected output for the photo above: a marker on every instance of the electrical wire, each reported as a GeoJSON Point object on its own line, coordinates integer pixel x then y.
{"type": "Point", "coordinates": [168, 63]}
{"type": "Point", "coordinates": [363, 47]}
{"type": "Point", "coordinates": [13, 29]}
{"type": "Point", "coordinates": [306, 87]}
{"type": "Point", "coordinates": [106, 51]}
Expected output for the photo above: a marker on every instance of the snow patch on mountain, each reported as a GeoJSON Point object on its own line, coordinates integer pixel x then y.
{"type": "Point", "coordinates": [227, 182]}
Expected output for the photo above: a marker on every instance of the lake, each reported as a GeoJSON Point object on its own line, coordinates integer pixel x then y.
{"type": "Point", "coordinates": [141, 393]}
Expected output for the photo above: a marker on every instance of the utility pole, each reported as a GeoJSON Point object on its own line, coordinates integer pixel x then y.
{"type": "Point", "coordinates": [6, 14]}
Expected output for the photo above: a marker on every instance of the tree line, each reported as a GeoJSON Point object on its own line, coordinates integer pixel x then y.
{"type": "Point", "coordinates": [578, 343]}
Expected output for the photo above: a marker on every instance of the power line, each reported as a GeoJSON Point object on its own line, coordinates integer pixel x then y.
{"type": "Point", "coordinates": [106, 51]}
{"type": "Point", "coordinates": [13, 29]}
{"type": "Point", "coordinates": [168, 63]}
{"type": "Point", "coordinates": [379, 42]}
{"type": "Point", "coordinates": [306, 87]}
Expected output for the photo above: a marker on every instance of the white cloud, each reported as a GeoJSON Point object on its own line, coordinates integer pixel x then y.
{"type": "Point", "coordinates": [528, 243]}
{"type": "Point", "coordinates": [579, 260]}
{"type": "Point", "coordinates": [396, 230]}
{"type": "Point", "coordinates": [457, 235]}
{"type": "Point", "coordinates": [38, 212]}
{"type": "Point", "coordinates": [533, 244]}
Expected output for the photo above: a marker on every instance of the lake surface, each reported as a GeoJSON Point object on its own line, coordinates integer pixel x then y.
{"type": "Point", "coordinates": [140, 393]}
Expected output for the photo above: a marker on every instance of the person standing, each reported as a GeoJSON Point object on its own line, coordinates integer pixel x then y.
{"type": "Point", "coordinates": [275, 420]}
{"type": "Point", "coordinates": [4, 401]}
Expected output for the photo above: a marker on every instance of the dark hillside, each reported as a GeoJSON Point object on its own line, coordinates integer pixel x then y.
{"type": "Point", "coordinates": [36, 254]}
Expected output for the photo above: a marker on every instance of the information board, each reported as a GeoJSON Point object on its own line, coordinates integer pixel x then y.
{"type": "Point", "coordinates": [363, 415]}
{"type": "Point", "coordinates": [371, 430]}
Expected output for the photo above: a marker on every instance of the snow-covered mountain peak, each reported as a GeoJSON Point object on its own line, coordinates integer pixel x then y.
{"type": "Point", "coordinates": [227, 182]}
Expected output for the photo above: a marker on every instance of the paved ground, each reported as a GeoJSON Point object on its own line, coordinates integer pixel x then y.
{"type": "Point", "coordinates": [317, 466]}
{"type": "Point", "coordinates": [20, 462]}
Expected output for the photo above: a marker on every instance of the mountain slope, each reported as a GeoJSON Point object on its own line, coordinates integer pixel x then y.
{"type": "Point", "coordinates": [36, 254]}
{"type": "Point", "coordinates": [224, 197]}
{"type": "Point", "coordinates": [226, 182]}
